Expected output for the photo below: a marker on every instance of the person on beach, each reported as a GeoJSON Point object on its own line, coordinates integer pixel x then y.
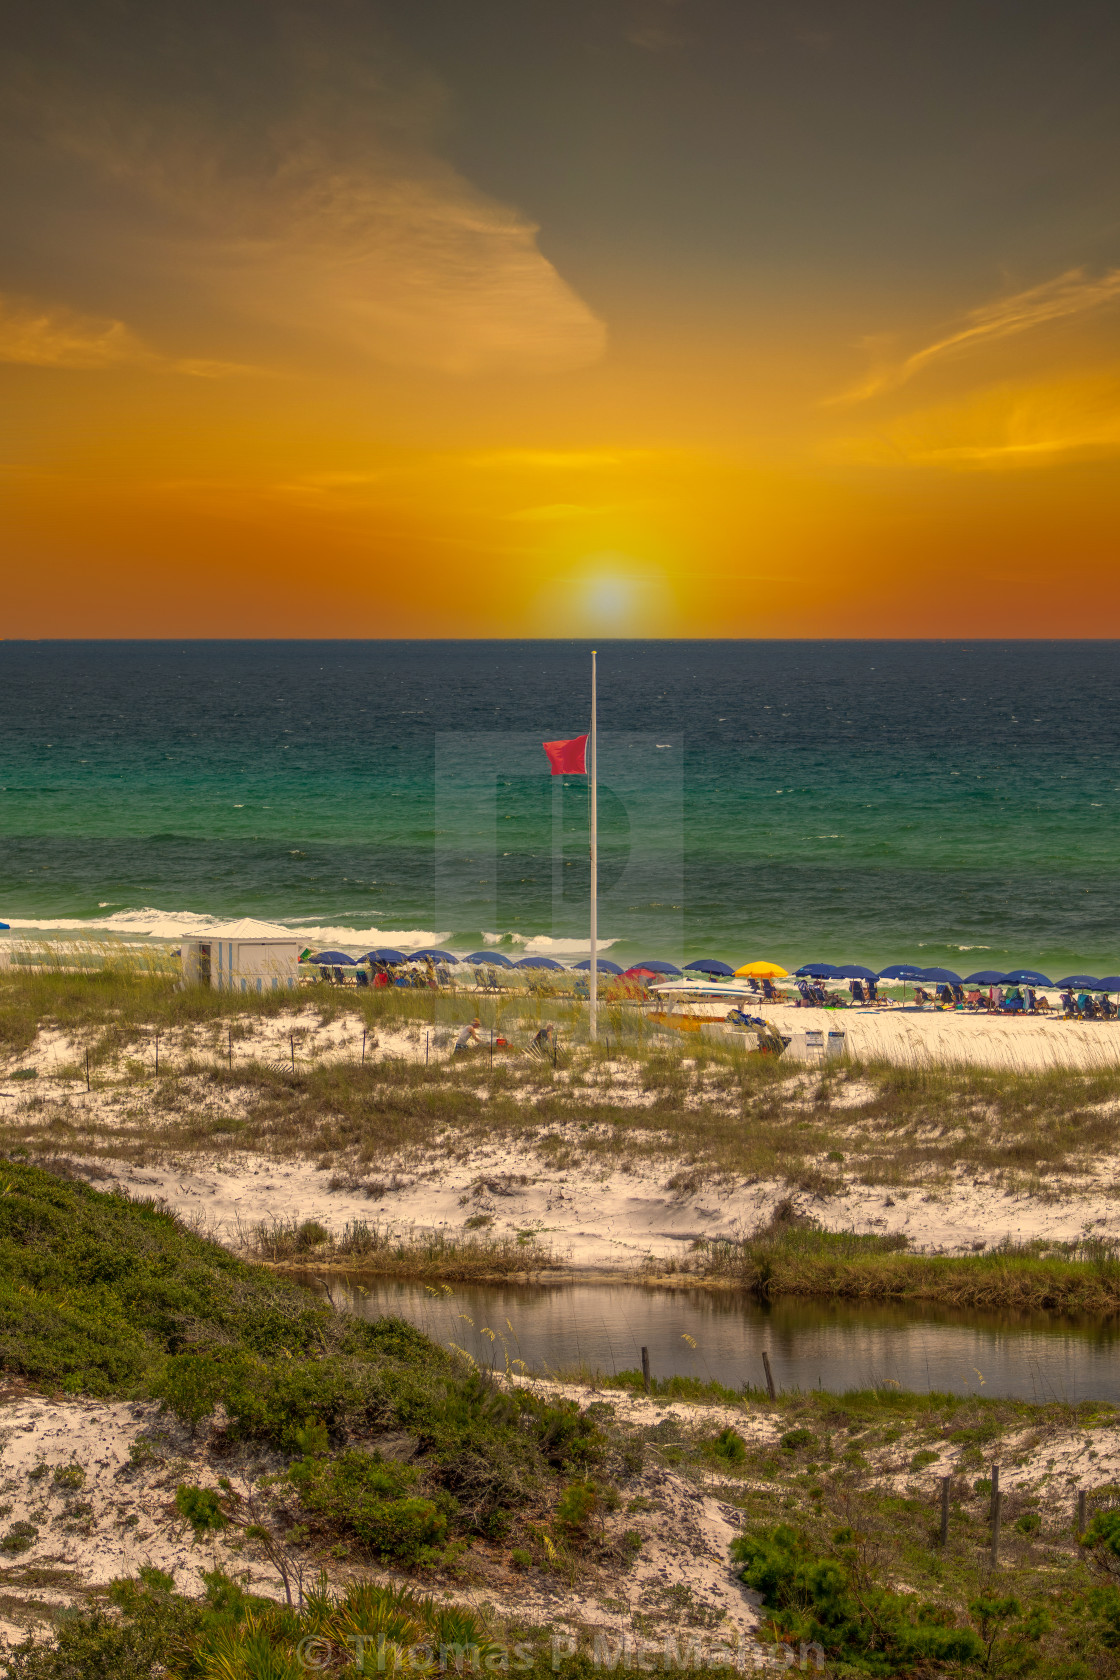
{"type": "Point", "coordinates": [468, 1038]}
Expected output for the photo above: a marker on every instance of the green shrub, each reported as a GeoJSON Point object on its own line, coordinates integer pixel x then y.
{"type": "Point", "coordinates": [154, 1633]}
{"type": "Point", "coordinates": [69, 1476]}
{"type": "Point", "coordinates": [577, 1505]}
{"type": "Point", "coordinates": [370, 1497]}
{"type": "Point", "coordinates": [1029, 1523]}
{"type": "Point", "coordinates": [832, 1601]}
{"type": "Point", "coordinates": [728, 1445]}
{"type": "Point", "coordinates": [921, 1459]}
{"type": "Point", "coordinates": [19, 1538]}
{"type": "Point", "coordinates": [796, 1438]}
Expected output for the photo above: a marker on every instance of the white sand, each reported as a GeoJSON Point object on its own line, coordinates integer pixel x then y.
{"type": "Point", "coordinates": [123, 1517]}
{"type": "Point", "coordinates": [595, 1212]}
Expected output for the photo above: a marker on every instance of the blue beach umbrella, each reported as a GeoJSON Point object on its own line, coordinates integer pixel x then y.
{"type": "Point", "coordinates": [1028, 977]}
{"type": "Point", "coordinates": [385, 954]}
{"type": "Point", "coordinates": [436, 956]}
{"type": "Point", "coordinates": [333, 959]}
{"type": "Point", "coordinates": [1110, 983]}
{"type": "Point", "coordinates": [496, 959]}
{"type": "Point", "coordinates": [853, 971]}
{"type": "Point", "coordinates": [819, 971]}
{"type": "Point", "coordinates": [985, 977]}
{"type": "Point", "coordinates": [709, 965]}
{"type": "Point", "coordinates": [941, 976]}
{"type": "Point", "coordinates": [656, 966]}
{"type": "Point", "coordinates": [538, 962]}
{"type": "Point", "coordinates": [1083, 980]}
{"type": "Point", "coordinates": [901, 971]}
{"type": "Point", "coordinates": [602, 964]}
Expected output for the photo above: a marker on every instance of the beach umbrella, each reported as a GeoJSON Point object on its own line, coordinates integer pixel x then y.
{"type": "Point", "coordinates": [1084, 980]}
{"type": "Point", "coordinates": [385, 954]}
{"type": "Point", "coordinates": [436, 956]}
{"type": "Point", "coordinates": [603, 965]}
{"type": "Point", "coordinates": [818, 971]}
{"type": "Point", "coordinates": [709, 965]}
{"type": "Point", "coordinates": [984, 977]}
{"type": "Point", "coordinates": [1027, 977]}
{"type": "Point", "coordinates": [853, 971]}
{"type": "Point", "coordinates": [1110, 983]}
{"type": "Point", "coordinates": [640, 972]}
{"type": "Point", "coordinates": [656, 966]}
{"type": "Point", "coordinates": [762, 971]}
{"type": "Point", "coordinates": [496, 959]}
{"type": "Point", "coordinates": [334, 959]}
{"type": "Point", "coordinates": [901, 971]}
{"type": "Point", "coordinates": [538, 962]}
{"type": "Point", "coordinates": [941, 976]}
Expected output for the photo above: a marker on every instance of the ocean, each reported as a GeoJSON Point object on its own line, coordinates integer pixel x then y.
{"type": "Point", "coordinates": [948, 803]}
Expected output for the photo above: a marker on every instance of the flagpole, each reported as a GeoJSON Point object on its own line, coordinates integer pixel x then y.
{"type": "Point", "coordinates": [594, 789]}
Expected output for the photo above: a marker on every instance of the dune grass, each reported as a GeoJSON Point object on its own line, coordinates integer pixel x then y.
{"type": "Point", "coordinates": [798, 1258]}
{"type": "Point", "coordinates": [379, 1250]}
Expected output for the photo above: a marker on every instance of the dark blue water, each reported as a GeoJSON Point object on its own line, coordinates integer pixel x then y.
{"type": "Point", "coordinates": [952, 802]}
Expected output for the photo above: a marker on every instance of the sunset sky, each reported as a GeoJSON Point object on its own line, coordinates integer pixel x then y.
{"type": "Point", "coordinates": [549, 317]}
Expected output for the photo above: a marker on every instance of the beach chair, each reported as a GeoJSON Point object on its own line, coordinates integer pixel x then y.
{"type": "Point", "coordinates": [771, 995]}
{"type": "Point", "coordinates": [362, 977]}
{"type": "Point", "coordinates": [807, 996]}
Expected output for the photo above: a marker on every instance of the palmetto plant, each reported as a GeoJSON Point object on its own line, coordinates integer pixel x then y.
{"type": "Point", "coordinates": [366, 1630]}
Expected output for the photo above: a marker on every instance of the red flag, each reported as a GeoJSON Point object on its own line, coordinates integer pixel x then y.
{"type": "Point", "coordinates": [567, 758]}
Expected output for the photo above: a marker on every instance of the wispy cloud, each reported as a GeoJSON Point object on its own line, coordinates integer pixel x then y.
{"type": "Point", "coordinates": [1004, 428]}
{"type": "Point", "coordinates": [1068, 296]}
{"type": "Point", "coordinates": [336, 224]}
{"type": "Point", "coordinates": [34, 336]}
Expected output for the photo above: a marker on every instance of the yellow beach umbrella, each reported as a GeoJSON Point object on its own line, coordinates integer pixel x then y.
{"type": "Point", "coordinates": [761, 971]}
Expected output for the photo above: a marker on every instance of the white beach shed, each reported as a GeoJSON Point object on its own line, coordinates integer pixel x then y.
{"type": "Point", "coordinates": [247, 956]}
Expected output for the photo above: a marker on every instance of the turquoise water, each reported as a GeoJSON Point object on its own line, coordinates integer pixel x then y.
{"type": "Point", "coordinates": [873, 802]}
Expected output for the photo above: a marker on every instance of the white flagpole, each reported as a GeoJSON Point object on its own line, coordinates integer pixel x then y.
{"type": "Point", "coordinates": [594, 986]}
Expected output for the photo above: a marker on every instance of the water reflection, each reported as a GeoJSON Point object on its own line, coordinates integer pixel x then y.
{"type": "Point", "coordinates": [694, 1332]}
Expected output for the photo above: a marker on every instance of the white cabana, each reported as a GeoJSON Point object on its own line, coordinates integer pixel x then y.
{"type": "Point", "coordinates": [246, 956]}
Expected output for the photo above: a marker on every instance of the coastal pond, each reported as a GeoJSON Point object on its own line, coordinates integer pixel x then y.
{"type": "Point", "coordinates": [721, 1334]}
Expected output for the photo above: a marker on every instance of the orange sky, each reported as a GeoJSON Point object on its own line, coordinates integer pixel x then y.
{"type": "Point", "coordinates": [628, 319]}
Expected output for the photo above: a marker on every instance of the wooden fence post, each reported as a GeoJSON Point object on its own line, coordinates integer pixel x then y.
{"type": "Point", "coordinates": [997, 1502]}
{"type": "Point", "coordinates": [769, 1375]}
{"type": "Point", "coordinates": [645, 1368]}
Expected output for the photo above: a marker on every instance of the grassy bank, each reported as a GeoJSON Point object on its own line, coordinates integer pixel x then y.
{"type": "Point", "coordinates": [379, 1250]}
{"type": "Point", "coordinates": [802, 1259]}
{"type": "Point", "coordinates": [106, 1296]}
